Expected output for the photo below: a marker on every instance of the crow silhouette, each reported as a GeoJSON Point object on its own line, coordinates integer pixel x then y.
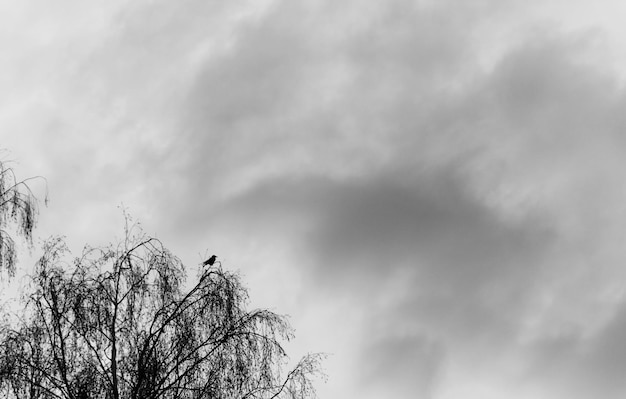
{"type": "Point", "coordinates": [209, 261]}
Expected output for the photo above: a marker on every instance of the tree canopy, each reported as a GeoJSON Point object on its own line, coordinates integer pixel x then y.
{"type": "Point", "coordinates": [118, 322]}
{"type": "Point", "coordinates": [18, 212]}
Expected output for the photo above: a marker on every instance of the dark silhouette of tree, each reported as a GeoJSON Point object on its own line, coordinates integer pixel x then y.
{"type": "Point", "coordinates": [117, 322]}
{"type": "Point", "coordinates": [18, 212]}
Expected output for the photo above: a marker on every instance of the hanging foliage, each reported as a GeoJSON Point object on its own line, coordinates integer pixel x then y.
{"type": "Point", "coordinates": [18, 212]}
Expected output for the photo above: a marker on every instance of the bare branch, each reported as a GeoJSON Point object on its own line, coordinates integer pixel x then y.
{"type": "Point", "coordinates": [119, 317]}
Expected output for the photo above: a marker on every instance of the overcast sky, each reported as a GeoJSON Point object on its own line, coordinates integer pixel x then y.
{"type": "Point", "coordinates": [433, 190]}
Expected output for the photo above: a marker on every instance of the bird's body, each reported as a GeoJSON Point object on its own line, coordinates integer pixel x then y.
{"type": "Point", "coordinates": [209, 261]}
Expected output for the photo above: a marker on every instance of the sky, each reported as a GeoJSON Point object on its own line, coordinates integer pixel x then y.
{"type": "Point", "coordinates": [432, 190]}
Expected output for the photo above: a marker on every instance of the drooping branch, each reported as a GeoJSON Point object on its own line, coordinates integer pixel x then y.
{"type": "Point", "coordinates": [119, 316]}
{"type": "Point", "coordinates": [18, 214]}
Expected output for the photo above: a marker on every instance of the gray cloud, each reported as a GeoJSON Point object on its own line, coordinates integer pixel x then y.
{"type": "Point", "coordinates": [410, 364]}
{"type": "Point", "coordinates": [425, 258]}
{"type": "Point", "coordinates": [384, 152]}
{"type": "Point", "coordinates": [604, 358]}
{"type": "Point", "coordinates": [282, 99]}
{"type": "Point", "coordinates": [448, 174]}
{"type": "Point", "coordinates": [580, 366]}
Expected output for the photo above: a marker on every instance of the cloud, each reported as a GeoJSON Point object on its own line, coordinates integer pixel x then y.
{"type": "Point", "coordinates": [446, 193]}
{"type": "Point", "coordinates": [574, 364]}
{"type": "Point", "coordinates": [410, 364]}
{"type": "Point", "coordinates": [97, 96]}
{"type": "Point", "coordinates": [283, 99]}
{"type": "Point", "coordinates": [446, 209]}
{"type": "Point", "coordinates": [420, 258]}
{"type": "Point", "coordinates": [446, 174]}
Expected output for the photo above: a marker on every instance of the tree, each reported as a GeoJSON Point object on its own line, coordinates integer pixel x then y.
{"type": "Point", "coordinates": [117, 322]}
{"type": "Point", "coordinates": [18, 209]}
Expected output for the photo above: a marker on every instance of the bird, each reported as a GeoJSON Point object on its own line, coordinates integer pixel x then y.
{"type": "Point", "coordinates": [209, 261]}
